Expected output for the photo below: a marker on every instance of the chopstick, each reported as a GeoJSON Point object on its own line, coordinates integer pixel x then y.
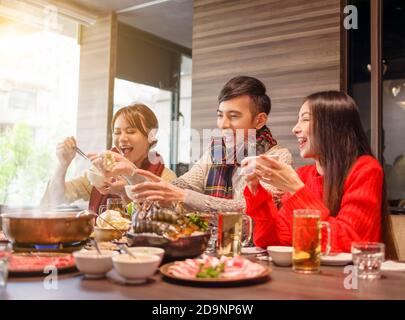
{"type": "Point", "coordinates": [82, 153]}
{"type": "Point", "coordinates": [108, 222]}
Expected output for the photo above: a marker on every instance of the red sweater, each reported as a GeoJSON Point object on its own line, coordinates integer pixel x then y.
{"type": "Point", "coordinates": [359, 217]}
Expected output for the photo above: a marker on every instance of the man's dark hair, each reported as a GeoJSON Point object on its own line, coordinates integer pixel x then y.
{"type": "Point", "coordinates": [252, 87]}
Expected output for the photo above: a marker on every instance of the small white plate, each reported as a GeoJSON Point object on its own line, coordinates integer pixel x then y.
{"type": "Point", "coordinates": [392, 266]}
{"type": "Point", "coordinates": [264, 258]}
{"type": "Point", "coordinates": [94, 276]}
{"type": "Point", "coordinates": [340, 259]}
{"type": "Point", "coordinates": [114, 276]}
{"type": "Point", "coordinates": [253, 250]}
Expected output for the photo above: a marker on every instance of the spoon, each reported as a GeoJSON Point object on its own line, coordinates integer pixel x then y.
{"type": "Point", "coordinates": [97, 247]}
{"type": "Point", "coordinates": [125, 249]}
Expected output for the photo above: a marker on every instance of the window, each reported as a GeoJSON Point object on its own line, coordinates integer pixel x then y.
{"type": "Point", "coordinates": [359, 59]}
{"type": "Point", "coordinates": [39, 72]}
{"type": "Point", "coordinates": [392, 83]}
{"type": "Point", "coordinates": [23, 100]}
{"type": "Point", "coordinates": [185, 111]}
{"type": "Point", "coordinates": [160, 101]}
{"type": "Point", "coordinates": [393, 98]}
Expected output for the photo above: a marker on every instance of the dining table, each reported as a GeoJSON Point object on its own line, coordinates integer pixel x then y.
{"type": "Point", "coordinates": [331, 283]}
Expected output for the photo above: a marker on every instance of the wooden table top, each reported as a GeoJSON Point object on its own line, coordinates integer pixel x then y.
{"type": "Point", "coordinates": [283, 284]}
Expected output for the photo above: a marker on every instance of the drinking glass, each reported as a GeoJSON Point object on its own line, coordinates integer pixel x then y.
{"type": "Point", "coordinates": [5, 254]}
{"type": "Point", "coordinates": [367, 258]}
{"type": "Point", "coordinates": [230, 236]}
{"type": "Point", "coordinates": [212, 220]}
{"type": "Point", "coordinates": [307, 240]}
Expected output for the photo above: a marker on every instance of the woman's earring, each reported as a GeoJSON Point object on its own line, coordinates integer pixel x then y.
{"type": "Point", "coordinates": [152, 137]}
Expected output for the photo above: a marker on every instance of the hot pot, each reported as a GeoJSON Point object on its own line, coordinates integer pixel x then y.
{"type": "Point", "coordinates": [47, 227]}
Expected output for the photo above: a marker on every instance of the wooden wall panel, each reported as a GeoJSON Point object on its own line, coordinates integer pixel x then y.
{"type": "Point", "coordinates": [293, 46]}
{"type": "Point", "coordinates": [96, 84]}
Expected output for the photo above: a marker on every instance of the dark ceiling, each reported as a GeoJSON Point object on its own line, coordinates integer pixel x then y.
{"type": "Point", "coordinates": [168, 19]}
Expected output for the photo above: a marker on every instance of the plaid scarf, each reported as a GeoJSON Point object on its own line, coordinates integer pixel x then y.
{"type": "Point", "coordinates": [225, 160]}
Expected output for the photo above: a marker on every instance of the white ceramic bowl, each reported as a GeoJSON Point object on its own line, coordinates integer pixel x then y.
{"type": "Point", "coordinates": [144, 266]}
{"type": "Point", "coordinates": [92, 264]}
{"type": "Point", "coordinates": [107, 234]}
{"type": "Point", "coordinates": [251, 163]}
{"type": "Point", "coordinates": [95, 177]}
{"type": "Point", "coordinates": [281, 256]}
{"type": "Point", "coordinates": [149, 250]}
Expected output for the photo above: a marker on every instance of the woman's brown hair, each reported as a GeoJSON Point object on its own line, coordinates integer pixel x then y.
{"type": "Point", "coordinates": [338, 138]}
{"type": "Point", "coordinates": [141, 117]}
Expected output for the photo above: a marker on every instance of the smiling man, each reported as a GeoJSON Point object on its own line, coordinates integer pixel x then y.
{"type": "Point", "coordinates": [214, 183]}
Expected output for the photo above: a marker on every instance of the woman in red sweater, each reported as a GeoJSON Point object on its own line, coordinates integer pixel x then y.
{"type": "Point", "coordinates": [345, 184]}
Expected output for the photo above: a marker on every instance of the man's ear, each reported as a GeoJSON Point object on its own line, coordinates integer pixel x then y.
{"type": "Point", "coordinates": [261, 120]}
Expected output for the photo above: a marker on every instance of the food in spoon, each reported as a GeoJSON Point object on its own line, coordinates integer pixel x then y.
{"type": "Point", "coordinates": [108, 161]}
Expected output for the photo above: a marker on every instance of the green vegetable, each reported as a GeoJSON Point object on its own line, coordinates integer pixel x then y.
{"type": "Point", "coordinates": [198, 221]}
{"type": "Point", "coordinates": [131, 209]}
{"type": "Point", "coordinates": [211, 272]}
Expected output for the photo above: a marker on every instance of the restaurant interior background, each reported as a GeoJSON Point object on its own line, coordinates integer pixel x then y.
{"type": "Point", "coordinates": [66, 66]}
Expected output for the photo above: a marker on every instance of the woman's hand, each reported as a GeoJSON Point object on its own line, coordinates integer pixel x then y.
{"type": "Point", "coordinates": [157, 189]}
{"type": "Point", "coordinates": [252, 179]}
{"type": "Point", "coordinates": [278, 174]}
{"type": "Point", "coordinates": [117, 186]}
{"type": "Point", "coordinates": [122, 165]}
{"type": "Point", "coordinates": [105, 189]}
{"type": "Point", "coordinates": [66, 151]}
{"type": "Point", "coordinates": [114, 186]}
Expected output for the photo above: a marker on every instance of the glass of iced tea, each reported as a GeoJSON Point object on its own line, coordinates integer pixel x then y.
{"type": "Point", "coordinates": [307, 240]}
{"type": "Point", "coordinates": [230, 236]}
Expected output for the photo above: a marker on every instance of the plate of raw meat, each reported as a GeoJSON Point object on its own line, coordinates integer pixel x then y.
{"type": "Point", "coordinates": [208, 270]}
{"type": "Point", "coordinates": [39, 263]}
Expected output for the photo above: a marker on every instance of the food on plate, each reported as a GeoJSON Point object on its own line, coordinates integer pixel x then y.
{"type": "Point", "coordinates": [198, 220]}
{"type": "Point", "coordinates": [211, 267]}
{"type": "Point", "coordinates": [36, 262]}
{"type": "Point", "coordinates": [111, 219]}
{"type": "Point", "coordinates": [171, 223]}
